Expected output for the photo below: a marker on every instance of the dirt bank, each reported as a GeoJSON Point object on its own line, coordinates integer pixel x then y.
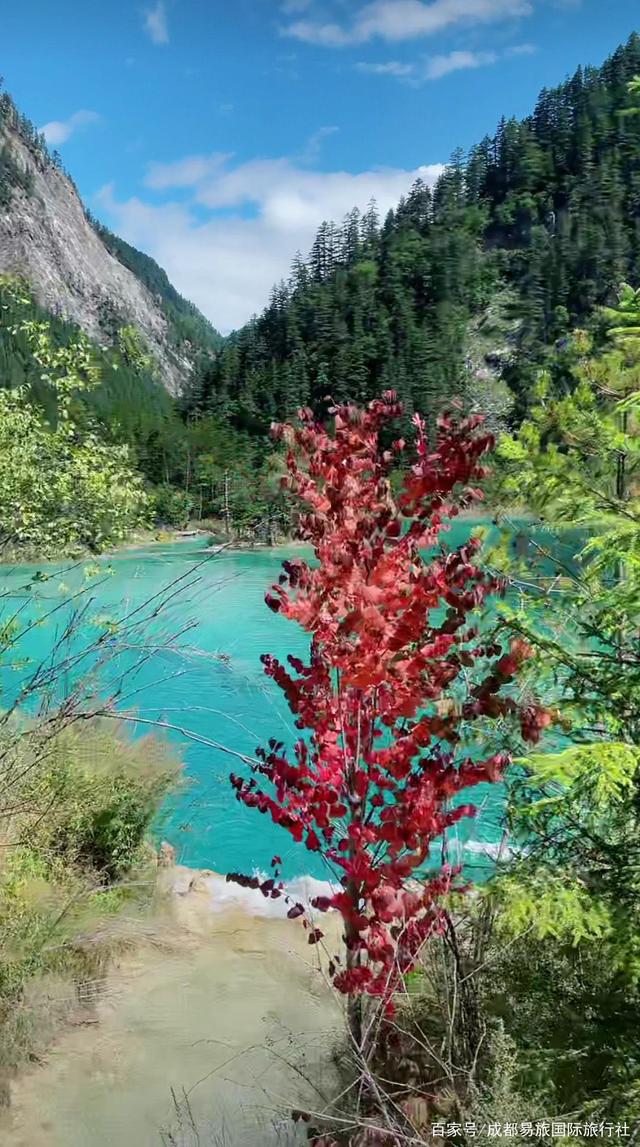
{"type": "Point", "coordinates": [236, 1013]}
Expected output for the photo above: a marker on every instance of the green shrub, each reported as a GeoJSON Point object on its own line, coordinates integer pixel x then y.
{"type": "Point", "coordinates": [102, 791]}
{"type": "Point", "coordinates": [171, 507]}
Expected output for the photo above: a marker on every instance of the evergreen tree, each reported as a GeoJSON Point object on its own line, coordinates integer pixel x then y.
{"type": "Point", "coordinates": [547, 212]}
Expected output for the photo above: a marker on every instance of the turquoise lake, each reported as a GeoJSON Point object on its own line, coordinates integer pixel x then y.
{"type": "Point", "coordinates": [186, 653]}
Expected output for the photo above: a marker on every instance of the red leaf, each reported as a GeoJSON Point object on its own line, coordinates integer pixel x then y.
{"type": "Point", "coordinates": [322, 903]}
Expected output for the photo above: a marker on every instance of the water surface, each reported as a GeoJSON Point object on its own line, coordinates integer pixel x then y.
{"type": "Point", "coordinates": [197, 673]}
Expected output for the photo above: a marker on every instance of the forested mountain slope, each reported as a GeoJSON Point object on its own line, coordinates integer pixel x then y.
{"type": "Point", "coordinates": [188, 326]}
{"type": "Point", "coordinates": [77, 269]}
{"type": "Point", "coordinates": [516, 242]}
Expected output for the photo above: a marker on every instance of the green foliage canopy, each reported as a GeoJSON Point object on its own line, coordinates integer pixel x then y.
{"type": "Point", "coordinates": [61, 485]}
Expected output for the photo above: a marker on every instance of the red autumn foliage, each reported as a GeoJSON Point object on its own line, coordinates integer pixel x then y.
{"type": "Point", "coordinates": [397, 674]}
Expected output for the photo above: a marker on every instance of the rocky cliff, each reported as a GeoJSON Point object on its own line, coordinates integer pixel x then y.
{"type": "Point", "coordinates": [47, 239]}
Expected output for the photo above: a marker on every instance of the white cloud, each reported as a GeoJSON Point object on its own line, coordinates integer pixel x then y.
{"type": "Point", "coordinates": [389, 68]}
{"type": "Point", "coordinates": [397, 20]}
{"type": "Point", "coordinates": [227, 263]}
{"type": "Point", "coordinates": [188, 172]}
{"type": "Point", "coordinates": [326, 35]}
{"type": "Point", "coordinates": [155, 23]}
{"type": "Point", "coordinates": [521, 50]}
{"type": "Point", "coordinates": [315, 142]}
{"type": "Point", "coordinates": [59, 130]}
{"type": "Point", "coordinates": [439, 66]}
{"type": "Point", "coordinates": [435, 67]}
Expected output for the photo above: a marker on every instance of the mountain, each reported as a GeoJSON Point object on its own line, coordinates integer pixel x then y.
{"type": "Point", "coordinates": [463, 287]}
{"type": "Point", "coordinates": [77, 269]}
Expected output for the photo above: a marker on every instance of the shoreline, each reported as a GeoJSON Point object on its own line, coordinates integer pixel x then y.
{"type": "Point", "coordinates": [180, 885]}
{"type": "Point", "coordinates": [170, 536]}
{"type": "Point", "coordinates": [143, 540]}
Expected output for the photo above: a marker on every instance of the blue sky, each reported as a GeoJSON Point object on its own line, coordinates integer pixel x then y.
{"type": "Point", "coordinates": [217, 135]}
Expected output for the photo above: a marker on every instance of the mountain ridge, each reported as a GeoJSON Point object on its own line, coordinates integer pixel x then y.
{"type": "Point", "coordinates": [77, 269]}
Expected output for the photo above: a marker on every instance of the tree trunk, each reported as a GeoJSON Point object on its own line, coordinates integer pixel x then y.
{"type": "Point", "coordinates": [621, 467]}
{"type": "Point", "coordinates": [227, 513]}
{"type": "Point", "coordinates": [354, 1003]}
{"type": "Point", "coordinates": [621, 495]}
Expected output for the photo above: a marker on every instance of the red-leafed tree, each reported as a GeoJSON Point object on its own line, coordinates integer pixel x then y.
{"type": "Point", "coordinates": [397, 675]}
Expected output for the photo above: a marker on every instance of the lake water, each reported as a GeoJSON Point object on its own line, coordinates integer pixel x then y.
{"type": "Point", "coordinates": [192, 664]}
